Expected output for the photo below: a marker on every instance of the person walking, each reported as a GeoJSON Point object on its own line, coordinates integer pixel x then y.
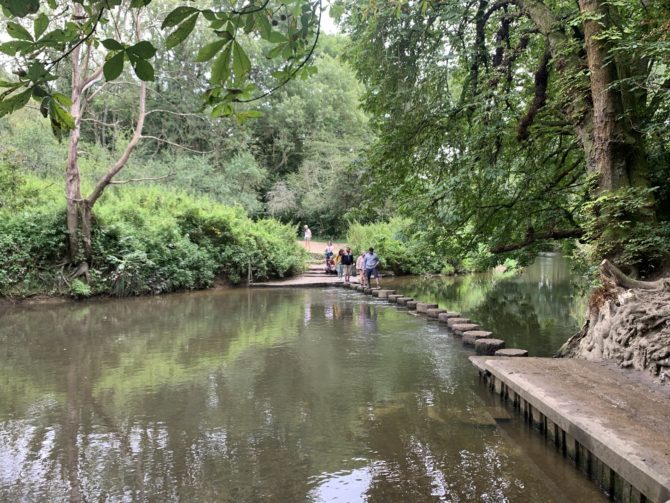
{"type": "Point", "coordinates": [360, 268]}
{"type": "Point", "coordinates": [347, 264]}
{"type": "Point", "coordinates": [371, 267]}
{"type": "Point", "coordinates": [308, 238]}
{"type": "Point", "coordinates": [338, 263]}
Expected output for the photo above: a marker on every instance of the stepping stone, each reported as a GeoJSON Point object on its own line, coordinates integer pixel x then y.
{"type": "Point", "coordinates": [367, 291]}
{"type": "Point", "coordinates": [435, 312]}
{"type": "Point", "coordinates": [461, 328]}
{"type": "Point", "coordinates": [447, 315]}
{"type": "Point", "coordinates": [488, 346]}
{"type": "Point", "coordinates": [383, 294]}
{"type": "Point", "coordinates": [456, 321]}
{"type": "Point", "coordinates": [394, 297]}
{"type": "Point", "coordinates": [375, 293]}
{"type": "Point", "coordinates": [423, 307]}
{"type": "Point", "coordinates": [411, 304]}
{"type": "Point", "coordinates": [511, 352]}
{"type": "Point", "coordinates": [470, 337]}
{"type": "Point", "coordinates": [402, 301]}
{"type": "Point", "coordinates": [360, 288]}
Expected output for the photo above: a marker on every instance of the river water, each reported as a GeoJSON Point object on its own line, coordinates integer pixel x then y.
{"type": "Point", "coordinates": [270, 395]}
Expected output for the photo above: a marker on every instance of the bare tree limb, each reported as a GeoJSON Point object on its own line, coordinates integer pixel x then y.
{"type": "Point", "coordinates": [132, 180]}
{"type": "Point", "coordinates": [163, 140]}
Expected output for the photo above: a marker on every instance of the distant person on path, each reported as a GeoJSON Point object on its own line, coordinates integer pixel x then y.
{"type": "Point", "coordinates": [338, 263]}
{"type": "Point", "coordinates": [371, 267]}
{"type": "Point", "coordinates": [308, 238]}
{"type": "Point", "coordinates": [347, 264]}
{"type": "Point", "coordinates": [329, 249]}
{"type": "Point", "coordinates": [360, 268]}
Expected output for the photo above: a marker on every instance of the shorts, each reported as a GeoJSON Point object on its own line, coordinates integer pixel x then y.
{"type": "Point", "coordinates": [372, 273]}
{"type": "Point", "coordinates": [346, 270]}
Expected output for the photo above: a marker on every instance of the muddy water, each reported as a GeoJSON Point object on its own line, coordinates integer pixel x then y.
{"type": "Point", "coordinates": [256, 396]}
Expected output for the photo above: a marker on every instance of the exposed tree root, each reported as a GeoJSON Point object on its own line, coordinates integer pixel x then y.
{"type": "Point", "coordinates": [628, 326]}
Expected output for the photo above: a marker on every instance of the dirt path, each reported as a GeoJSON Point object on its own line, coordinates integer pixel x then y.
{"type": "Point", "coordinates": [320, 246]}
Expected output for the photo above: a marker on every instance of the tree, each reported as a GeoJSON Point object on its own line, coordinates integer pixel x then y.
{"type": "Point", "coordinates": [519, 121]}
{"type": "Point", "coordinates": [291, 27]}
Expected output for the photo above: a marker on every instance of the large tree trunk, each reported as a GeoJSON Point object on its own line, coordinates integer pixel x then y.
{"type": "Point", "coordinates": [616, 155]}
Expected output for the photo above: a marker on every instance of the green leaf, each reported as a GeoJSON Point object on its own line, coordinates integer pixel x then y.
{"type": "Point", "coordinates": [276, 51]}
{"type": "Point", "coordinates": [55, 38]}
{"type": "Point", "coordinates": [112, 45]}
{"type": "Point", "coordinates": [62, 99]}
{"type": "Point", "coordinates": [143, 49]}
{"type": "Point", "coordinates": [264, 27]}
{"type": "Point", "coordinates": [221, 67]}
{"type": "Point", "coordinates": [40, 25]}
{"type": "Point", "coordinates": [277, 38]}
{"type": "Point", "coordinates": [136, 4]}
{"type": "Point", "coordinates": [113, 66]}
{"type": "Point", "coordinates": [21, 8]}
{"type": "Point", "coordinates": [177, 16]}
{"type": "Point", "coordinates": [241, 62]}
{"type": "Point", "coordinates": [60, 115]}
{"type": "Point", "coordinates": [179, 35]}
{"type": "Point", "coordinates": [222, 109]}
{"type": "Point", "coordinates": [144, 70]}
{"type": "Point", "coordinates": [15, 30]}
{"type": "Point", "coordinates": [14, 46]}
{"type": "Point", "coordinates": [15, 102]}
{"type": "Point", "coordinates": [209, 51]}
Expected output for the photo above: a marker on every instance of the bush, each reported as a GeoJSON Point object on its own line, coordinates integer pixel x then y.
{"type": "Point", "coordinates": [145, 241]}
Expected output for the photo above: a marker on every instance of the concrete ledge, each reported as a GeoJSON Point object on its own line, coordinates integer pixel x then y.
{"type": "Point", "coordinates": [610, 424]}
{"type": "Point", "coordinates": [511, 352]}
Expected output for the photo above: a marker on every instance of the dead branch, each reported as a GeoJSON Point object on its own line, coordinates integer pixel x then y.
{"type": "Point", "coordinates": [146, 179]}
{"type": "Point", "coordinates": [532, 237]}
{"type": "Point", "coordinates": [613, 272]}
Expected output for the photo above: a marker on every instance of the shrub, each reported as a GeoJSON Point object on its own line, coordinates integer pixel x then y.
{"type": "Point", "coordinates": [145, 241]}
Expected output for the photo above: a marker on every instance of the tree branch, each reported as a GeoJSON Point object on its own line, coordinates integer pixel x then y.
{"type": "Point", "coordinates": [541, 236]}
{"type": "Point", "coordinates": [150, 178]}
{"type": "Point", "coordinates": [163, 140]}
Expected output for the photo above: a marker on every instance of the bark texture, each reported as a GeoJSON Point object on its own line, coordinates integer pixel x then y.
{"type": "Point", "coordinates": [630, 326]}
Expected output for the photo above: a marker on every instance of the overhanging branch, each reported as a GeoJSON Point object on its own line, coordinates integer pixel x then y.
{"type": "Point", "coordinates": [539, 236]}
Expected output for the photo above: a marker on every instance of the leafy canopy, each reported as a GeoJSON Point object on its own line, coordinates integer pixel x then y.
{"type": "Point", "coordinates": [43, 33]}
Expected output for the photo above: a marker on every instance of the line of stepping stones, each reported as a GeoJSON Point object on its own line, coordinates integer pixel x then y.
{"type": "Point", "coordinates": [471, 333]}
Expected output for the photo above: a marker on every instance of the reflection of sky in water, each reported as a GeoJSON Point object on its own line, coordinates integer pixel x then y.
{"type": "Point", "coordinates": [345, 486]}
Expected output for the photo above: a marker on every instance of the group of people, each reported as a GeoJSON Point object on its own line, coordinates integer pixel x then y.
{"type": "Point", "coordinates": [367, 264]}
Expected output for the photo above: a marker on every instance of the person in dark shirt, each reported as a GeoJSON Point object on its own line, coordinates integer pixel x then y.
{"type": "Point", "coordinates": [347, 263]}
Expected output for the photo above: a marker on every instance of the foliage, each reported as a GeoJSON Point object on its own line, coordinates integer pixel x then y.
{"type": "Point", "coordinates": [611, 225]}
{"type": "Point", "coordinates": [400, 248]}
{"type": "Point", "coordinates": [42, 33]}
{"type": "Point", "coordinates": [147, 241]}
{"type": "Point", "coordinates": [487, 133]}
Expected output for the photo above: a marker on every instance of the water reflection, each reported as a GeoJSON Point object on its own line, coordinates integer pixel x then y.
{"type": "Point", "coordinates": [537, 310]}
{"type": "Point", "coordinates": [248, 396]}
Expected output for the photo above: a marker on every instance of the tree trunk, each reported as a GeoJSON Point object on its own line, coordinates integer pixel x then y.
{"type": "Point", "coordinates": [72, 177]}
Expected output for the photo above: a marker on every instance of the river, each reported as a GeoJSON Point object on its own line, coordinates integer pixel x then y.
{"type": "Point", "coordinates": [269, 395]}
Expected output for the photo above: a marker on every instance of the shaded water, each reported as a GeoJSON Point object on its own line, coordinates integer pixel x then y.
{"type": "Point", "coordinates": [256, 396]}
{"type": "Point", "coordinates": [537, 310]}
